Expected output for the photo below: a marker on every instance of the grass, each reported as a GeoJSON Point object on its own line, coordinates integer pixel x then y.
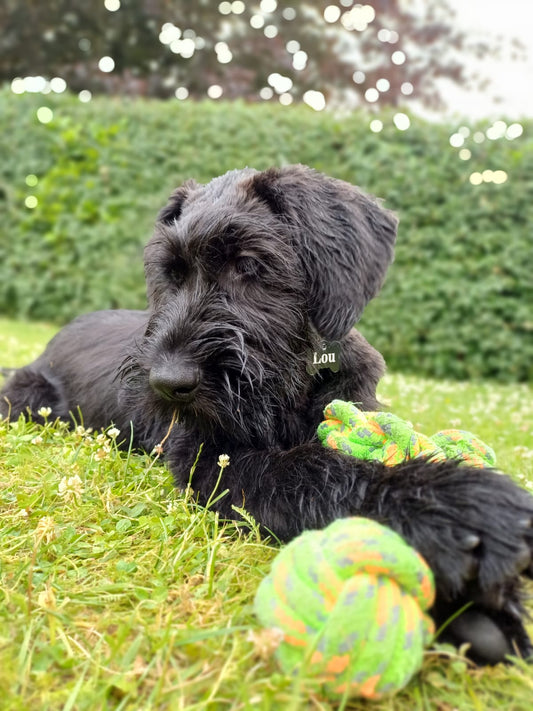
{"type": "Point", "coordinates": [118, 592]}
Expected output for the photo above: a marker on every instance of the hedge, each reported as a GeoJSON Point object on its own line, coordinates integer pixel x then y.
{"type": "Point", "coordinates": [458, 301]}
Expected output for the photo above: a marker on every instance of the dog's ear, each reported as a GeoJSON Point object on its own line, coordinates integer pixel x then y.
{"type": "Point", "coordinates": [172, 209]}
{"type": "Point", "coordinates": [344, 237]}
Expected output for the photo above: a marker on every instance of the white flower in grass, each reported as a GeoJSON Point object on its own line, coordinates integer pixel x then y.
{"type": "Point", "coordinates": [223, 461]}
{"type": "Point", "coordinates": [46, 529]}
{"type": "Point", "coordinates": [37, 440]}
{"type": "Point", "coordinates": [102, 453]}
{"type": "Point", "coordinates": [71, 488]}
{"type": "Point", "coordinates": [44, 412]}
{"type": "Point", "coordinates": [113, 432]}
{"type": "Point", "coordinates": [47, 599]}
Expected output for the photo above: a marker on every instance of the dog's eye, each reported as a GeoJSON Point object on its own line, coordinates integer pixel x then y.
{"type": "Point", "coordinates": [176, 271]}
{"type": "Point", "coordinates": [247, 266]}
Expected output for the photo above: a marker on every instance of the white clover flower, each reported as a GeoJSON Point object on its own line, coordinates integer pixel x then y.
{"type": "Point", "coordinates": [46, 529]}
{"type": "Point", "coordinates": [44, 412]}
{"type": "Point", "coordinates": [113, 432]}
{"type": "Point", "coordinates": [71, 488]}
{"type": "Point", "coordinates": [223, 461]}
{"type": "Point", "coordinates": [37, 440]}
{"type": "Point", "coordinates": [102, 453]}
{"type": "Point", "coordinates": [47, 599]}
{"type": "Point", "coordinates": [172, 506]}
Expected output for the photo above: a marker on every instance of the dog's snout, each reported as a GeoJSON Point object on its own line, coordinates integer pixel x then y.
{"type": "Point", "coordinates": [176, 382]}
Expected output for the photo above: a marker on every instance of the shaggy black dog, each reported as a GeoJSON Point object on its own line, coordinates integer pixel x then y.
{"type": "Point", "coordinates": [253, 280]}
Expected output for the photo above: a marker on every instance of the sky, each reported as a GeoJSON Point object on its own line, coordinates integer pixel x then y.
{"type": "Point", "coordinates": [512, 81]}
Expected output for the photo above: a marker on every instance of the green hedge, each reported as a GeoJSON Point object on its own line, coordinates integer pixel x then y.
{"type": "Point", "coordinates": [458, 302]}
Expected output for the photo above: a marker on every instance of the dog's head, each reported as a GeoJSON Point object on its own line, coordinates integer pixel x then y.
{"type": "Point", "coordinates": [345, 240]}
{"type": "Point", "coordinates": [244, 273]}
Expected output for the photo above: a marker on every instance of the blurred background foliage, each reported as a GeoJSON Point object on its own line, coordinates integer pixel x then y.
{"type": "Point", "coordinates": [457, 301]}
{"type": "Point", "coordinates": [156, 48]}
{"type": "Point", "coordinates": [109, 104]}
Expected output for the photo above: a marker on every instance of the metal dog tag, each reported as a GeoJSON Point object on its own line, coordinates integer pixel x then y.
{"type": "Point", "coordinates": [328, 356]}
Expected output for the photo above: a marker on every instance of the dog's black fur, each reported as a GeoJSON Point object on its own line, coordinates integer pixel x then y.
{"type": "Point", "coordinates": [246, 277]}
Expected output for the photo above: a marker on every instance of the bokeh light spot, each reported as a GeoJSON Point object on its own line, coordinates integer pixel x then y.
{"type": "Point", "coordinates": [112, 5]}
{"type": "Point", "coordinates": [215, 91]}
{"type": "Point", "coordinates": [106, 64]}
{"type": "Point", "coordinates": [31, 180]}
{"type": "Point", "coordinates": [398, 57]}
{"type": "Point", "coordinates": [31, 202]}
{"type": "Point", "coordinates": [315, 99]}
{"type": "Point", "coordinates": [476, 178]}
{"type": "Point", "coordinates": [401, 121]}
{"type": "Point", "coordinates": [465, 154]}
{"type": "Point", "coordinates": [257, 21]}
{"type": "Point", "coordinates": [44, 114]}
{"type": "Point", "coordinates": [332, 13]}
{"type": "Point", "coordinates": [299, 60]}
{"type": "Point", "coordinates": [281, 84]}
{"type": "Point", "coordinates": [85, 96]}
{"type": "Point", "coordinates": [285, 99]}
{"type": "Point", "coordinates": [17, 86]}
{"type": "Point", "coordinates": [376, 126]}
{"type": "Point", "coordinates": [515, 130]}
{"type": "Point", "coordinates": [499, 177]}
{"type": "Point", "coordinates": [292, 46]}
{"type": "Point", "coordinates": [456, 140]}
{"type": "Point", "coordinates": [58, 85]}
{"type": "Point", "coordinates": [268, 5]}
{"type": "Point", "coordinates": [371, 95]}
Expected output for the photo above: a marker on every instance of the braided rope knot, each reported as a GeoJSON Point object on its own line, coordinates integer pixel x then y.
{"type": "Point", "coordinates": [385, 437]}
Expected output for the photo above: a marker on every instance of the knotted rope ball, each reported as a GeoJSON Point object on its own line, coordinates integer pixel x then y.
{"type": "Point", "coordinates": [387, 438]}
{"type": "Point", "coordinates": [350, 602]}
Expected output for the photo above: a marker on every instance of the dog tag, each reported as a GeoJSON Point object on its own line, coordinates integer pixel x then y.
{"type": "Point", "coordinates": [328, 356]}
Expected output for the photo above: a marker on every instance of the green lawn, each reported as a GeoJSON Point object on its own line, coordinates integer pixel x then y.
{"type": "Point", "coordinates": [117, 592]}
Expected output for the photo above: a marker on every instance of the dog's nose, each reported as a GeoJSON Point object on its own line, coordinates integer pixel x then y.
{"type": "Point", "coordinates": [176, 382]}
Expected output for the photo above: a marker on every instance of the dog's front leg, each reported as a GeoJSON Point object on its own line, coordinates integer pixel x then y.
{"type": "Point", "coordinates": [474, 527]}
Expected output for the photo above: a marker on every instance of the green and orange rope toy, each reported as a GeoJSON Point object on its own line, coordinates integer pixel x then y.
{"type": "Point", "coordinates": [351, 601]}
{"type": "Point", "coordinates": [386, 437]}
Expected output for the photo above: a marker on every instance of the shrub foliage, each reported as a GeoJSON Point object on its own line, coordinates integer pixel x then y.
{"type": "Point", "coordinates": [458, 301]}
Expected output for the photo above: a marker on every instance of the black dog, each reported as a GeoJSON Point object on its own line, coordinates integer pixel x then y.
{"type": "Point", "coordinates": [249, 280]}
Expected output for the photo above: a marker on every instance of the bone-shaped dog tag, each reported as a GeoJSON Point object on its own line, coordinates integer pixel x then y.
{"type": "Point", "coordinates": [327, 356]}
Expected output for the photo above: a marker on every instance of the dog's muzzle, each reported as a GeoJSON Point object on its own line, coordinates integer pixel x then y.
{"type": "Point", "coordinates": [175, 382]}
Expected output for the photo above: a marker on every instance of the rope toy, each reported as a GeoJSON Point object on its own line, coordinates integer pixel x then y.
{"type": "Point", "coordinates": [350, 603]}
{"type": "Point", "coordinates": [386, 437]}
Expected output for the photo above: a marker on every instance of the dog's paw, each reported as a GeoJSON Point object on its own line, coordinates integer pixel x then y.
{"type": "Point", "coordinates": [473, 526]}
{"type": "Point", "coordinates": [492, 637]}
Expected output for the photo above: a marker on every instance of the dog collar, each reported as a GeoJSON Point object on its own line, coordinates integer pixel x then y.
{"type": "Point", "coordinates": [328, 355]}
